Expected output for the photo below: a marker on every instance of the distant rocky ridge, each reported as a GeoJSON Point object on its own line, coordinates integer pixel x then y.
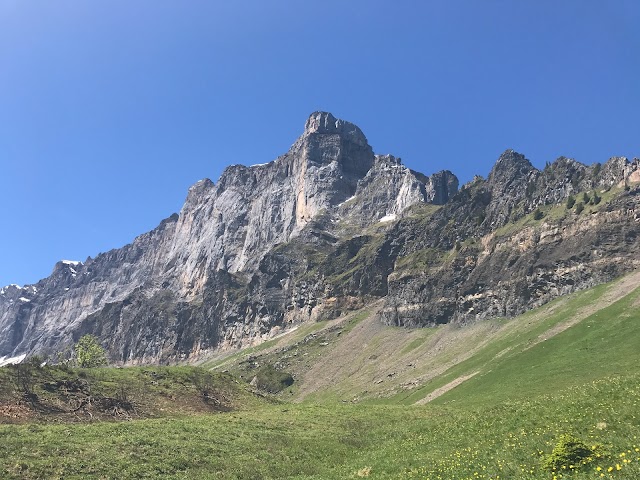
{"type": "Point", "coordinates": [328, 227]}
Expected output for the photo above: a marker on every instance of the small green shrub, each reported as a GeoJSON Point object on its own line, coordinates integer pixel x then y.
{"type": "Point", "coordinates": [537, 214]}
{"type": "Point", "coordinates": [569, 452]}
{"type": "Point", "coordinates": [575, 182]}
{"type": "Point", "coordinates": [571, 201]}
{"type": "Point", "coordinates": [579, 207]}
{"type": "Point", "coordinates": [531, 188]}
{"type": "Point", "coordinates": [270, 379]}
{"type": "Point", "coordinates": [35, 360]}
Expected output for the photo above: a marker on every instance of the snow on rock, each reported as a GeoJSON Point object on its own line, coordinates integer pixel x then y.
{"type": "Point", "coordinates": [347, 200]}
{"type": "Point", "coordinates": [388, 218]}
{"type": "Point", "coordinates": [4, 290]}
{"type": "Point", "coordinates": [22, 299]}
{"type": "Point", "coordinates": [12, 360]}
{"type": "Point", "coordinates": [75, 263]}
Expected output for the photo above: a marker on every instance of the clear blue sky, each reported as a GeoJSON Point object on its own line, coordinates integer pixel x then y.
{"type": "Point", "coordinates": [110, 110]}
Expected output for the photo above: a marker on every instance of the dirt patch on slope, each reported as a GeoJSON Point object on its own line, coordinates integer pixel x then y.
{"type": "Point", "coordinates": [344, 358]}
{"type": "Point", "coordinates": [445, 388]}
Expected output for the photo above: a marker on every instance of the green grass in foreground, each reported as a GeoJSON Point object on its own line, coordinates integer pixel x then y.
{"type": "Point", "coordinates": [507, 440]}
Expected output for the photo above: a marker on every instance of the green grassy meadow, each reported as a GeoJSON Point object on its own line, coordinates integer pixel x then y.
{"type": "Point", "coordinates": [532, 383]}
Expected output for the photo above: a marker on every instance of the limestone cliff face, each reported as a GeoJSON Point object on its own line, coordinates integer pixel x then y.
{"type": "Point", "coordinates": [170, 293]}
{"type": "Point", "coordinates": [231, 225]}
{"type": "Point", "coordinates": [328, 227]}
{"type": "Point", "coordinates": [389, 188]}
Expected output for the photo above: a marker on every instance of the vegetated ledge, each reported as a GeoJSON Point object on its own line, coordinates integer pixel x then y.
{"type": "Point", "coordinates": [57, 393]}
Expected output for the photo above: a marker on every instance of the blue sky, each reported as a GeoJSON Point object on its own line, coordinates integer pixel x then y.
{"type": "Point", "coordinates": [110, 110]}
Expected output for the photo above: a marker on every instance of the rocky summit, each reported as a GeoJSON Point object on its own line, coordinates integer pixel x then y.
{"type": "Point", "coordinates": [329, 227]}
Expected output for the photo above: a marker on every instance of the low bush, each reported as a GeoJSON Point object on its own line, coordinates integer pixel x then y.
{"type": "Point", "coordinates": [270, 379]}
{"type": "Point", "coordinates": [570, 452]}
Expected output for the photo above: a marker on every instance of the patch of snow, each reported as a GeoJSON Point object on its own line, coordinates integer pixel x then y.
{"type": "Point", "coordinates": [393, 166]}
{"type": "Point", "coordinates": [66, 289]}
{"type": "Point", "coordinates": [16, 285]}
{"type": "Point", "coordinates": [260, 164]}
{"type": "Point", "coordinates": [72, 270]}
{"type": "Point", "coordinates": [12, 360]}
{"type": "Point", "coordinates": [22, 299]}
{"type": "Point", "coordinates": [388, 218]}
{"type": "Point", "coordinates": [75, 263]}
{"type": "Point", "coordinates": [347, 200]}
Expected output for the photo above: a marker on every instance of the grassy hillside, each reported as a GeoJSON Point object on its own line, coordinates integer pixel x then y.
{"type": "Point", "coordinates": [500, 440]}
{"type": "Point", "coordinates": [490, 401]}
{"type": "Point", "coordinates": [356, 358]}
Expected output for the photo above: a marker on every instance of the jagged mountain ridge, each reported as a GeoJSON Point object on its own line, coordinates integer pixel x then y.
{"type": "Point", "coordinates": [222, 229]}
{"type": "Point", "coordinates": [312, 234]}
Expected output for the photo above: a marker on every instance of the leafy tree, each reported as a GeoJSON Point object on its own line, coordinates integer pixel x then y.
{"type": "Point", "coordinates": [89, 353]}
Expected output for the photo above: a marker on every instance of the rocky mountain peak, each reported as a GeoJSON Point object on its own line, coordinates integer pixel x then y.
{"type": "Point", "coordinates": [326, 123]}
{"type": "Point", "coordinates": [197, 191]}
{"type": "Point", "coordinates": [510, 163]}
{"type": "Point", "coordinates": [328, 141]}
{"type": "Point", "coordinates": [511, 169]}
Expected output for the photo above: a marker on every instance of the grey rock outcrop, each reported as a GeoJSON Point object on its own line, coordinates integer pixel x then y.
{"type": "Point", "coordinates": [499, 261]}
{"type": "Point", "coordinates": [195, 282]}
{"type": "Point", "coordinates": [389, 189]}
{"type": "Point", "coordinates": [324, 229]}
